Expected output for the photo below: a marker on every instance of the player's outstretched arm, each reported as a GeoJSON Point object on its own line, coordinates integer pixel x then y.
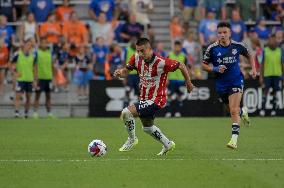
{"type": "Point", "coordinates": [185, 74]}
{"type": "Point", "coordinates": [120, 73]}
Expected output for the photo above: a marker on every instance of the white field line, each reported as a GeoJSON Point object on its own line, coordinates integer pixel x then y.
{"type": "Point", "coordinates": [135, 159]}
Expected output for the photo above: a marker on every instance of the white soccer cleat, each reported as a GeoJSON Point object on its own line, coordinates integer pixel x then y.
{"type": "Point", "coordinates": [129, 144]}
{"type": "Point", "coordinates": [165, 150]}
{"type": "Point", "coordinates": [245, 118]}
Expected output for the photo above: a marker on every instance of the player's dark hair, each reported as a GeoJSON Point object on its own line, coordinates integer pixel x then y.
{"type": "Point", "coordinates": [224, 24]}
{"type": "Point", "coordinates": [142, 41]}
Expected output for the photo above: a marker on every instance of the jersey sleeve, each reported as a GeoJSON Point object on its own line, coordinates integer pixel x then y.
{"type": "Point", "coordinates": [243, 50]}
{"type": "Point", "coordinates": [171, 65]}
{"type": "Point", "coordinates": [207, 56]}
{"type": "Point", "coordinates": [130, 65]}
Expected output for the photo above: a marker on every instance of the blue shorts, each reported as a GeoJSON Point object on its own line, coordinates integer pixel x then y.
{"type": "Point", "coordinates": [272, 82]}
{"type": "Point", "coordinates": [133, 83]}
{"type": "Point", "coordinates": [82, 78]}
{"type": "Point", "coordinates": [147, 109]}
{"type": "Point", "coordinates": [44, 86]}
{"type": "Point", "coordinates": [174, 86]}
{"type": "Point", "coordinates": [224, 94]}
{"type": "Point", "coordinates": [24, 87]}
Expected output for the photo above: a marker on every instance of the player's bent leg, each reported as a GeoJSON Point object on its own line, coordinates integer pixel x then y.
{"type": "Point", "coordinates": [157, 134]}
{"type": "Point", "coordinates": [244, 116]}
{"type": "Point", "coordinates": [127, 116]}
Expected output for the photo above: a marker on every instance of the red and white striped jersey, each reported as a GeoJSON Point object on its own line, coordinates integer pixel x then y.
{"type": "Point", "coordinates": [153, 77]}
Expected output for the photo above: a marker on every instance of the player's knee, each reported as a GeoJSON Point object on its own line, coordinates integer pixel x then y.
{"type": "Point", "coordinates": [235, 111]}
{"type": "Point", "coordinates": [125, 114]}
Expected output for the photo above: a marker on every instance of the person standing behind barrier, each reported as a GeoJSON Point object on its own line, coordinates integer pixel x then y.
{"type": "Point", "coordinates": [132, 80]}
{"type": "Point", "coordinates": [45, 69]}
{"type": "Point", "coordinates": [271, 72]}
{"type": "Point", "coordinates": [175, 81]}
{"type": "Point", "coordinates": [24, 68]}
{"type": "Point", "coordinates": [83, 72]}
{"type": "Point", "coordinates": [4, 58]}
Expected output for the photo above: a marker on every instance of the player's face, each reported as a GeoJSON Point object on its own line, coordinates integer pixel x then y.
{"type": "Point", "coordinates": [144, 51]}
{"type": "Point", "coordinates": [224, 34]}
{"type": "Point", "coordinates": [27, 47]}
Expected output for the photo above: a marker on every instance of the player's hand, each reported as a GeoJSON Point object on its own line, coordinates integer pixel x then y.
{"type": "Point", "coordinates": [189, 86]}
{"type": "Point", "coordinates": [117, 73]}
{"type": "Point", "coordinates": [222, 68]}
{"type": "Point", "coordinates": [254, 73]}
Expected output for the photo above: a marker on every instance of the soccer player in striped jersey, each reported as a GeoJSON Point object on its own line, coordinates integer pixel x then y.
{"type": "Point", "coordinates": [152, 70]}
{"type": "Point", "coordinates": [224, 55]}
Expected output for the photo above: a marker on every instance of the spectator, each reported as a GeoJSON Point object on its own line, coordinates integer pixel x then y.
{"type": "Point", "coordinates": [61, 71]}
{"type": "Point", "coordinates": [23, 68]}
{"type": "Point", "coordinates": [247, 9]}
{"type": "Point", "coordinates": [75, 33]}
{"type": "Point", "coordinates": [122, 13]}
{"type": "Point", "coordinates": [176, 81]}
{"type": "Point", "coordinates": [271, 72]}
{"type": "Point", "coordinates": [41, 9]}
{"type": "Point", "coordinates": [51, 30]}
{"type": "Point", "coordinates": [279, 37]}
{"type": "Point", "coordinates": [7, 8]}
{"type": "Point", "coordinates": [103, 29]}
{"type": "Point", "coordinates": [160, 49]}
{"type": "Point", "coordinates": [238, 27]}
{"type": "Point", "coordinates": [217, 5]}
{"type": "Point", "coordinates": [64, 11]}
{"type": "Point", "coordinates": [192, 50]}
{"type": "Point", "coordinates": [100, 52]}
{"type": "Point", "coordinates": [176, 29]}
{"type": "Point", "coordinates": [29, 29]}
{"type": "Point", "coordinates": [45, 67]}
{"type": "Point", "coordinates": [189, 9]}
{"type": "Point", "coordinates": [98, 6]}
{"type": "Point", "coordinates": [131, 29]}
{"type": "Point", "coordinates": [208, 28]}
{"type": "Point", "coordinates": [83, 72]}
{"type": "Point", "coordinates": [6, 32]}
{"type": "Point", "coordinates": [114, 58]}
{"type": "Point", "coordinates": [4, 58]}
{"type": "Point", "coordinates": [270, 9]}
{"type": "Point", "coordinates": [261, 29]}
{"type": "Point", "coordinates": [141, 8]}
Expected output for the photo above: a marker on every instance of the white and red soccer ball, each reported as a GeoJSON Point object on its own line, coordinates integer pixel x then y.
{"type": "Point", "coordinates": [97, 148]}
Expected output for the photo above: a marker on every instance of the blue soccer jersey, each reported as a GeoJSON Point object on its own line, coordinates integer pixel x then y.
{"type": "Point", "coordinates": [230, 57]}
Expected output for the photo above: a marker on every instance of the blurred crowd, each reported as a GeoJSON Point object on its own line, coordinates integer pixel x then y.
{"type": "Point", "coordinates": [93, 48]}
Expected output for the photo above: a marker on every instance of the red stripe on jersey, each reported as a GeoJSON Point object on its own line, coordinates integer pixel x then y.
{"type": "Point", "coordinates": [161, 98]}
{"type": "Point", "coordinates": [154, 68]}
{"type": "Point", "coordinates": [151, 92]}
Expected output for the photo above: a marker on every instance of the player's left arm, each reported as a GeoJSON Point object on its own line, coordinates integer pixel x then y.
{"type": "Point", "coordinates": [247, 54]}
{"type": "Point", "coordinates": [184, 70]}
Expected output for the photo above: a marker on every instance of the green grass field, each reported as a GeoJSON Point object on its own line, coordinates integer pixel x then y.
{"type": "Point", "coordinates": [53, 153]}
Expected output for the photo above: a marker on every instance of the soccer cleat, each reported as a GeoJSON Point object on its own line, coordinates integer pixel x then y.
{"type": "Point", "coordinates": [35, 115]}
{"type": "Point", "coordinates": [232, 145]}
{"type": "Point", "coordinates": [165, 150]}
{"type": "Point", "coordinates": [245, 118]}
{"type": "Point", "coordinates": [51, 116]}
{"type": "Point", "coordinates": [17, 115]}
{"type": "Point", "coordinates": [129, 144]}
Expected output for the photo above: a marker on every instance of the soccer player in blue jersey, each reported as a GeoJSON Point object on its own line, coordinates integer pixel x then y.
{"type": "Point", "coordinates": [224, 55]}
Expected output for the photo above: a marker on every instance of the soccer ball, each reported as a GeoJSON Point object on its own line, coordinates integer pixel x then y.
{"type": "Point", "coordinates": [97, 148]}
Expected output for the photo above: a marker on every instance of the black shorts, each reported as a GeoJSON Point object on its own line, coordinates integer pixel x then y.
{"type": "Point", "coordinates": [147, 109]}
{"type": "Point", "coordinates": [24, 87]}
{"type": "Point", "coordinates": [224, 96]}
{"type": "Point", "coordinates": [272, 82]}
{"type": "Point", "coordinates": [44, 86]}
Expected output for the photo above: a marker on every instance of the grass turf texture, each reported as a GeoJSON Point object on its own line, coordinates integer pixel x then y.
{"type": "Point", "coordinates": [53, 153]}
